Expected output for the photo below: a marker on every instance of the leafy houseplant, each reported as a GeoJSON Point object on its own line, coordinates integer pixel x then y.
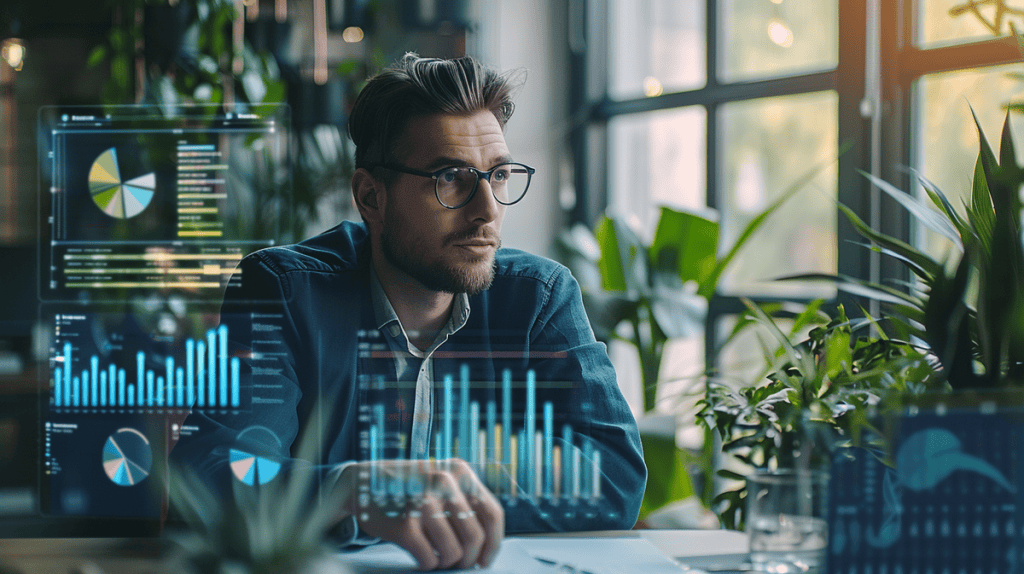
{"type": "Point", "coordinates": [280, 527]}
{"type": "Point", "coordinates": [961, 326]}
{"type": "Point", "coordinates": [815, 397]}
{"type": "Point", "coordinates": [658, 292]}
{"type": "Point", "coordinates": [970, 311]}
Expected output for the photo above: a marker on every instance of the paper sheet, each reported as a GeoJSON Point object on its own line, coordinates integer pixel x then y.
{"type": "Point", "coordinates": [603, 555]}
{"type": "Point", "coordinates": [519, 556]}
{"type": "Point", "coordinates": [390, 559]}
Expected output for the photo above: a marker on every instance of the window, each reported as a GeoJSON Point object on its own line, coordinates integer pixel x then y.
{"type": "Point", "coordinates": [726, 103]}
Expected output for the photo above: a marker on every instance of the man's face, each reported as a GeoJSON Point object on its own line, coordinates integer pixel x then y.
{"type": "Point", "coordinates": [449, 250]}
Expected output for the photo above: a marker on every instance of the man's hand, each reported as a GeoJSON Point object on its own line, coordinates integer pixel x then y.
{"type": "Point", "coordinates": [438, 511]}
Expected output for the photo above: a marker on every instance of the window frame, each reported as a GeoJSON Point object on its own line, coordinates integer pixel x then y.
{"type": "Point", "coordinates": [875, 120]}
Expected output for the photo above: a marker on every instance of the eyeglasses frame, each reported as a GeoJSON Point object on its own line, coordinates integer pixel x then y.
{"type": "Point", "coordinates": [480, 174]}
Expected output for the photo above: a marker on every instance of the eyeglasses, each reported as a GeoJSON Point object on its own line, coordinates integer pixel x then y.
{"type": "Point", "coordinates": [456, 186]}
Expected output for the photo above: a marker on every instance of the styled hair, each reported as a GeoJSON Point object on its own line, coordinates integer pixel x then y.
{"type": "Point", "coordinates": [414, 87]}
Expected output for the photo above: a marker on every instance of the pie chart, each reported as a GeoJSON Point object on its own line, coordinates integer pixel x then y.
{"type": "Point", "coordinates": [127, 458]}
{"type": "Point", "coordinates": [118, 198]}
{"type": "Point", "coordinates": [252, 469]}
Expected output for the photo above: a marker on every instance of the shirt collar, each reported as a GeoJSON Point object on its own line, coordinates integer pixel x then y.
{"type": "Point", "coordinates": [390, 325]}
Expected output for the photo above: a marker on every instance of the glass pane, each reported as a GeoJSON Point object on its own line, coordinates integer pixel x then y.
{"type": "Point", "coordinates": [959, 21]}
{"type": "Point", "coordinates": [656, 158]}
{"type": "Point", "coordinates": [947, 139]}
{"type": "Point", "coordinates": [763, 38]}
{"type": "Point", "coordinates": [656, 47]}
{"type": "Point", "coordinates": [756, 170]}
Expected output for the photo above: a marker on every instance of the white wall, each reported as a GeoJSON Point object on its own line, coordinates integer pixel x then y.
{"type": "Point", "coordinates": [531, 34]}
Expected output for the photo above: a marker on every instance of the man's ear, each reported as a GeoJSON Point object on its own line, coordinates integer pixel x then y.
{"type": "Point", "coordinates": [368, 194]}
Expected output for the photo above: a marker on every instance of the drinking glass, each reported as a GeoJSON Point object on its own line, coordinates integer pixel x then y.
{"type": "Point", "coordinates": [786, 520]}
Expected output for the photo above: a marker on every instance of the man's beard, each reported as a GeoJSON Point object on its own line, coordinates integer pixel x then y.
{"type": "Point", "coordinates": [441, 276]}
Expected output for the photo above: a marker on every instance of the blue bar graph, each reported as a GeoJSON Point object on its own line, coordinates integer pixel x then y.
{"type": "Point", "coordinates": [236, 397]}
{"type": "Point", "coordinates": [474, 433]}
{"type": "Point", "coordinates": [179, 388]}
{"type": "Point", "coordinates": [567, 459]}
{"type": "Point", "coordinates": [94, 365]}
{"type": "Point", "coordinates": [190, 372]}
{"type": "Point", "coordinates": [99, 385]}
{"type": "Point", "coordinates": [222, 338]}
{"type": "Point", "coordinates": [491, 421]}
{"type": "Point", "coordinates": [549, 450]}
{"type": "Point", "coordinates": [506, 417]}
{"type": "Point", "coordinates": [67, 373]}
{"type": "Point", "coordinates": [140, 367]}
{"type": "Point", "coordinates": [211, 366]}
{"type": "Point", "coordinates": [58, 387]}
{"type": "Point", "coordinates": [170, 381]}
{"type": "Point", "coordinates": [463, 412]}
{"type": "Point", "coordinates": [534, 463]}
{"type": "Point", "coordinates": [531, 424]}
{"type": "Point", "coordinates": [201, 373]}
{"type": "Point", "coordinates": [447, 443]}
{"type": "Point", "coordinates": [374, 457]}
{"type": "Point", "coordinates": [113, 383]}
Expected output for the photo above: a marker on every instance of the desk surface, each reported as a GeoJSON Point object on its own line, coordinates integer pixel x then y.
{"type": "Point", "coordinates": [139, 556]}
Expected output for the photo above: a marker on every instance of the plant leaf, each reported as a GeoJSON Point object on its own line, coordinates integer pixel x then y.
{"type": "Point", "coordinates": [858, 287]}
{"type": "Point", "coordinates": [928, 217]}
{"type": "Point", "coordinates": [686, 242]}
{"type": "Point", "coordinates": [926, 263]}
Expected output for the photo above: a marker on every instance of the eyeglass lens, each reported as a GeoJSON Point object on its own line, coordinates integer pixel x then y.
{"type": "Point", "coordinates": [508, 183]}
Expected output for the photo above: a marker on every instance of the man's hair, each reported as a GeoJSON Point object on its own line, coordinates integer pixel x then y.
{"type": "Point", "coordinates": [415, 87]}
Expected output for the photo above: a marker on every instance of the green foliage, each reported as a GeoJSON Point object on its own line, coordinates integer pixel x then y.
{"type": "Point", "coordinates": [968, 308]}
{"type": "Point", "coordinates": [274, 528]}
{"type": "Point", "coordinates": [812, 397]}
{"type": "Point", "coordinates": [667, 477]}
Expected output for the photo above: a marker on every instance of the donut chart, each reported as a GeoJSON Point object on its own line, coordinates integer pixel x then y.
{"type": "Point", "coordinates": [118, 198]}
{"type": "Point", "coordinates": [127, 457]}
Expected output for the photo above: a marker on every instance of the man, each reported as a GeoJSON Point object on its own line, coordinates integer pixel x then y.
{"type": "Point", "coordinates": [425, 275]}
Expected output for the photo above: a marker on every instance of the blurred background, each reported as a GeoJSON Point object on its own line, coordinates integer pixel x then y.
{"type": "Point", "coordinates": [715, 107]}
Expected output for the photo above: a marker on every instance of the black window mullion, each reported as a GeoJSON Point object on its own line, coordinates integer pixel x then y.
{"type": "Point", "coordinates": [737, 91]}
{"type": "Point", "coordinates": [854, 131]}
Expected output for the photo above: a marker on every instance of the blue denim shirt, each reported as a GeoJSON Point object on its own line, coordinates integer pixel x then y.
{"type": "Point", "coordinates": [531, 320]}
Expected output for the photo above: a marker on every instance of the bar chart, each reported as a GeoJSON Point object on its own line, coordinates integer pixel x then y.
{"type": "Point", "coordinates": [204, 377]}
{"type": "Point", "coordinates": [517, 455]}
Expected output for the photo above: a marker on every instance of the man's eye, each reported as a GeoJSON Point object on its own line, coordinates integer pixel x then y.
{"type": "Point", "coordinates": [448, 176]}
{"type": "Point", "coordinates": [501, 175]}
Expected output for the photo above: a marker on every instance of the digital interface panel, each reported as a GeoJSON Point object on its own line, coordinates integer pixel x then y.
{"type": "Point", "coordinates": [122, 378]}
{"type": "Point", "coordinates": [511, 429]}
{"type": "Point", "coordinates": [138, 201]}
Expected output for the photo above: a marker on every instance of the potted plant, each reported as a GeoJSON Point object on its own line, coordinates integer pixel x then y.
{"type": "Point", "coordinates": [645, 295]}
{"type": "Point", "coordinates": [959, 328]}
{"type": "Point", "coordinates": [277, 527]}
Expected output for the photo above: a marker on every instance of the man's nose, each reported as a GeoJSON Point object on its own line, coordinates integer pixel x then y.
{"type": "Point", "coordinates": [483, 206]}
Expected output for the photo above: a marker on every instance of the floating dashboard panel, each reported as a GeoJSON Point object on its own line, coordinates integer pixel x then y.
{"type": "Point", "coordinates": [144, 201]}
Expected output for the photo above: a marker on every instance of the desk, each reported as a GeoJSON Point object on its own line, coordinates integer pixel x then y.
{"type": "Point", "coordinates": [143, 555]}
